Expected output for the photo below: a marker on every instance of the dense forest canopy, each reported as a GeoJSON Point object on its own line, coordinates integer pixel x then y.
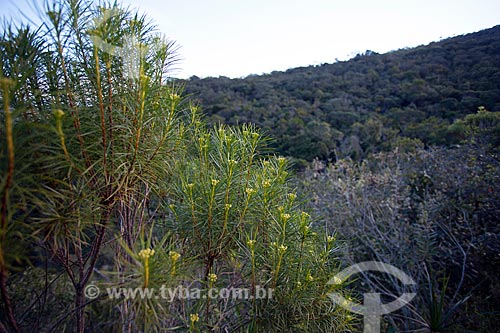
{"type": "Point", "coordinates": [369, 103]}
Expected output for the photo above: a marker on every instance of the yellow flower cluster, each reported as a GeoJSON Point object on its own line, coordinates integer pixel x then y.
{"type": "Point", "coordinates": [146, 253]}
{"type": "Point", "coordinates": [283, 248]}
{"type": "Point", "coordinates": [266, 183]}
{"type": "Point", "coordinates": [194, 317]}
{"type": "Point", "coordinates": [203, 143]}
{"type": "Point", "coordinates": [292, 196]}
{"type": "Point", "coordinates": [249, 191]}
{"type": "Point", "coordinates": [174, 255]}
{"type": "Point", "coordinates": [215, 182]}
{"type": "Point", "coordinates": [58, 113]}
{"type": "Point", "coordinates": [337, 280]}
{"type": "Point", "coordinates": [212, 277]}
{"type": "Point", "coordinates": [251, 243]}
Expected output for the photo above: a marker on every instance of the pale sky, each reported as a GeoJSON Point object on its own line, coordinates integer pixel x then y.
{"type": "Point", "coordinates": [236, 38]}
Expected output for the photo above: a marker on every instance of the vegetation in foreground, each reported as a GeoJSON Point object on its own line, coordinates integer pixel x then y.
{"type": "Point", "coordinates": [112, 178]}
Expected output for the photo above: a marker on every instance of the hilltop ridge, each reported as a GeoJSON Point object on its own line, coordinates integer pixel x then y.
{"type": "Point", "coordinates": [365, 104]}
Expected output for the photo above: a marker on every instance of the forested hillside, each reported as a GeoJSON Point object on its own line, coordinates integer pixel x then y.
{"type": "Point", "coordinates": [369, 103]}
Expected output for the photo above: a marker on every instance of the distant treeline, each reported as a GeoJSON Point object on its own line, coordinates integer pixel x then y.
{"type": "Point", "coordinates": [370, 103]}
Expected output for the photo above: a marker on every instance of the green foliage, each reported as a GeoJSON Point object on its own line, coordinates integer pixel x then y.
{"type": "Point", "coordinates": [91, 143]}
{"type": "Point", "coordinates": [482, 128]}
{"type": "Point", "coordinates": [439, 316]}
{"type": "Point", "coordinates": [238, 219]}
{"type": "Point", "coordinates": [113, 178]}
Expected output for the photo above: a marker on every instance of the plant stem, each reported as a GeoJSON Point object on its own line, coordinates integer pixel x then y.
{"type": "Point", "coordinates": [5, 82]}
{"type": "Point", "coordinates": [101, 111]}
{"type": "Point", "coordinates": [146, 272]}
